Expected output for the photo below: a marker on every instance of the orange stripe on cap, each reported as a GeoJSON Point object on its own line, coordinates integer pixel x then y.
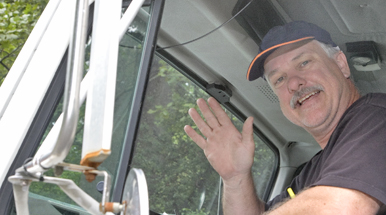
{"type": "Point", "coordinates": [274, 47]}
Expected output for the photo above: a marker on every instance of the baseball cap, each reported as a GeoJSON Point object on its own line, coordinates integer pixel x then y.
{"type": "Point", "coordinates": [279, 36]}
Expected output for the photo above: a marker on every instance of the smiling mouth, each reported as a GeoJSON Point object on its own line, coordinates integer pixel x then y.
{"type": "Point", "coordinates": [303, 94]}
{"type": "Point", "coordinates": [301, 100]}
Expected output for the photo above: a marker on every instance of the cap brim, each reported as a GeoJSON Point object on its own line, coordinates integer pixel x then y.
{"type": "Point", "coordinates": [256, 68]}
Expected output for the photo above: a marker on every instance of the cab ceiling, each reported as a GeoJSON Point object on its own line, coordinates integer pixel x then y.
{"type": "Point", "coordinates": [223, 57]}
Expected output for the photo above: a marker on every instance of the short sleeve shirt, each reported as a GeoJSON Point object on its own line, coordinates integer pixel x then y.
{"type": "Point", "coordinates": [355, 156]}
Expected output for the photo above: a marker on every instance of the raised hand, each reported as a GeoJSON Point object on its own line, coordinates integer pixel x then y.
{"type": "Point", "coordinates": [228, 151]}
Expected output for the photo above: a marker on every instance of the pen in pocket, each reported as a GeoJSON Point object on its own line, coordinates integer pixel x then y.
{"type": "Point", "coordinates": [291, 193]}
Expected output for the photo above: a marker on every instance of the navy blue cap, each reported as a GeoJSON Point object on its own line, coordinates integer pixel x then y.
{"type": "Point", "coordinates": [279, 36]}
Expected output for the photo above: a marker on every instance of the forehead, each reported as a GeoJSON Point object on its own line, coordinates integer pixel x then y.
{"type": "Point", "coordinates": [290, 52]}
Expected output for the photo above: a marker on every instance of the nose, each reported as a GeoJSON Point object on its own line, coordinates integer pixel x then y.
{"type": "Point", "coordinates": [295, 83]}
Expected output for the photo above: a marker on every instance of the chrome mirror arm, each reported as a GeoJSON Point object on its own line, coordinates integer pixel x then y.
{"type": "Point", "coordinates": [71, 95]}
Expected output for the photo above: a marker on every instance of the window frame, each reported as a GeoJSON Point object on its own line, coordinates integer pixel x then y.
{"type": "Point", "coordinates": [35, 133]}
{"type": "Point", "coordinates": [156, 8]}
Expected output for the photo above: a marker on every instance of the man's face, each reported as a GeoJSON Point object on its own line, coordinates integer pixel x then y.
{"type": "Point", "coordinates": [311, 87]}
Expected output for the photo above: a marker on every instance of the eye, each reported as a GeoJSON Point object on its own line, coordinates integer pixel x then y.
{"type": "Point", "coordinates": [279, 80]}
{"type": "Point", "coordinates": [304, 63]}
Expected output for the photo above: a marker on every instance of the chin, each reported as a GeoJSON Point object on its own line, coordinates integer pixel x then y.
{"type": "Point", "coordinates": [310, 122]}
{"type": "Point", "coordinates": [314, 122]}
{"type": "Point", "coordinates": [310, 125]}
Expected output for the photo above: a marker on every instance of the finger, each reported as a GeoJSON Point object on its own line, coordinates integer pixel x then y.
{"type": "Point", "coordinates": [201, 124]}
{"type": "Point", "coordinates": [210, 118]}
{"type": "Point", "coordinates": [198, 139]}
{"type": "Point", "coordinates": [247, 133]}
{"type": "Point", "coordinates": [220, 114]}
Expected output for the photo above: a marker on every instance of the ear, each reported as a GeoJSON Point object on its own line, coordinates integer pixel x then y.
{"type": "Point", "coordinates": [341, 61]}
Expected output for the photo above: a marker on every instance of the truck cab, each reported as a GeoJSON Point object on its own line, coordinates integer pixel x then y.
{"type": "Point", "coordinates": [143, 65]}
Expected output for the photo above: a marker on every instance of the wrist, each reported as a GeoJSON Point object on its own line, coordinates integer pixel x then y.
{"type": "Point", "coordinates": [239, 196]}
{"type": "Point", "coordinates": [238, 181]}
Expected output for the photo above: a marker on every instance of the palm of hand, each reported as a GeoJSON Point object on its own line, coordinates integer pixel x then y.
{"type": "Point", "coordinates": [229, 152]}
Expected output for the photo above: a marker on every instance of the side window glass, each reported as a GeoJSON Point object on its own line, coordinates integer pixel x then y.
{"type": "Point", "coordinates": [46, 198]}
{"type": "Point", "coordinates": [179, 177]}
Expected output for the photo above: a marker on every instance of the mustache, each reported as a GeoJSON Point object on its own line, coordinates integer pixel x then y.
{"type": "Point", "coordinates": [302, 92]}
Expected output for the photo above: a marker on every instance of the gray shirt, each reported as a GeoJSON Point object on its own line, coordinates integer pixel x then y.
{"type": "Point", "coordinates": [355, 156]}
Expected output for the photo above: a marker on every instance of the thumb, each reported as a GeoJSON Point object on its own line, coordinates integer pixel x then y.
{"type": "Point", "coordinates": [247, 133]}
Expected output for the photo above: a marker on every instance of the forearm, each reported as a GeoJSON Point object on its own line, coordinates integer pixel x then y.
{"type": "Point", "coordinates": [240, 197]}
{"type": "Point", "coordinates": [328, 200]}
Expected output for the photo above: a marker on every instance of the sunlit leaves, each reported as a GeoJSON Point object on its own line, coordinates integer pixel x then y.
{"type": "Point", "coordinates": [17, 19]}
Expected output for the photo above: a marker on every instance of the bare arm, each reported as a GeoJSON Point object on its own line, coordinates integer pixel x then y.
{"type": "Point", "coordinates": [240, 197]}
{"type": "Point", "coordinates": [329, 200]}
{"type": "Point", "coordinates": [230, 153]}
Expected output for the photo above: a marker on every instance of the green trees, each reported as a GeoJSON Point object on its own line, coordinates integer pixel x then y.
{"type": "Point", "coordinates": [17, 19]}
{"type": "Point", "coordinates": [180, 179]}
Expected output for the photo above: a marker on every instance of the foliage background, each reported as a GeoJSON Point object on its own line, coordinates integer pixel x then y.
{"type": "Point", "coordinates": [180, 179]}
{"type": "Point", "coordinates": [17, 19]}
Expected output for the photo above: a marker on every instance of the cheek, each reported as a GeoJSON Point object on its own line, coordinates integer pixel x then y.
{"type": "Point", "coordinates": [284, 100]}
{"type": "Point", "coordinates": [287, 110]}
{"type": "Point", "coordinates": [283, 96]}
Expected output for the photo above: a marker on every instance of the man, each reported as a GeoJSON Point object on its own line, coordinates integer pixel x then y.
{"type": "Point", "coordinates": [311, 78]}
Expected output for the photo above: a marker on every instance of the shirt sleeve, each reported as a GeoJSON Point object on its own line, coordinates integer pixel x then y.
{"type": "Point", "coordinates": [358, 154]}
